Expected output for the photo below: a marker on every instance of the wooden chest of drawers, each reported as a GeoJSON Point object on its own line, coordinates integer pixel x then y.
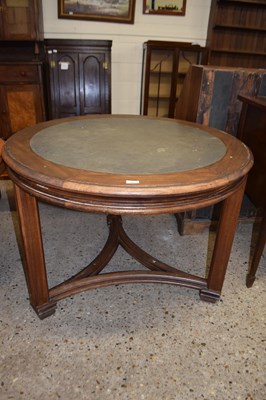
{"type": "Point", "coordinates": [21, 96]}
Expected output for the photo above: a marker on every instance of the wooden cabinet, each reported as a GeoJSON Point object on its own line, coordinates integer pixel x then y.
{"type": "Point", "coordinates": [237, 33]}
{"type": "Point", "coordinates": [165, 65]}
{"type": "Point", "coordinates": [21, 82]}
{"type": "Point", "coordinates": [252, 131]}
{"type": "Point", "coordinates": [21, 96]}
{"type": "Point", "coordinates": [21, 20]}
{"type": "Point", "coordinates": [210, 97]}
{"type": "Point", "coordinates": [254, 135]}
{"type": "Point", "coordinates": [79, 77]}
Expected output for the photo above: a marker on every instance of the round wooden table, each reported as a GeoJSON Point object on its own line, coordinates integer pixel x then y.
{"type": "Point", "coordinates": [121, 165]}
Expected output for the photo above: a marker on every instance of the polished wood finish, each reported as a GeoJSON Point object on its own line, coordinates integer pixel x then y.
{"type": "Point", "coordinates": [79, 77]}
{"type": "Point", "coordinates": [2, 165]}
{"type": "Point", "coordinates": [236, 33]}
{"type": "Point", "coordinates": [164, 68]}
{"type": "Point", "coordinates": [21, 20]}
{"type": "Point", "coordinates": [252, 131]}
{"type": "Point", "coordinates": [116, 194]}
{"type": "Point", "coordinates": [21, 96]}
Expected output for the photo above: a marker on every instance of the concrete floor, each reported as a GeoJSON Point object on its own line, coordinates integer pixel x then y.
{"type": "Point", "coordinates": [142, 341]}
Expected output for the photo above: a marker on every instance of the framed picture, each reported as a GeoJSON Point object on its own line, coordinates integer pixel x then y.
{"type": "Point", "coordinates": [122, 11]}
{"type": "Point", "coordinates": [164, 7]}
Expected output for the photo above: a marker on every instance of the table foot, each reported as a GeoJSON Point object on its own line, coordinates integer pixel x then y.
{"type": "Point", "coordinates": [250, 279]}
{"type": "Point", "coordinates": [45, 310]}
{"type": "Point", "coordinates": [209, 296]}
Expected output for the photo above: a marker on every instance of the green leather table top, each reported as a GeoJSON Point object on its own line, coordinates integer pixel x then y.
{"type": "Point", "coordinates": [128, 146]}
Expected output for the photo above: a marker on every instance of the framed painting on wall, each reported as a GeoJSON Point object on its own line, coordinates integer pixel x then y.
{"type": "Point", "coordinates": [164, 7]}
{"type": "Point", "coordinates": [122, 11]}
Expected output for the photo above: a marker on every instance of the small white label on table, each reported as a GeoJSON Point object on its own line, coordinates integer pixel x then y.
{"type": "Point", "coordinates": [131, 182]}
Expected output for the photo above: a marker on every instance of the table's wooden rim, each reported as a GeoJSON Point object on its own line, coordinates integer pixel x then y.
{"type": "Point", "coordinates": [234, 165]}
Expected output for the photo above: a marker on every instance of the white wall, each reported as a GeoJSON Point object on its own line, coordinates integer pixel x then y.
{"type": "Point", "coordinates": [128, 40]}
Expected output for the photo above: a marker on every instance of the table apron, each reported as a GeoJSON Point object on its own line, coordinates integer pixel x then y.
{"type": "Point", "coordinates": [126, 205]}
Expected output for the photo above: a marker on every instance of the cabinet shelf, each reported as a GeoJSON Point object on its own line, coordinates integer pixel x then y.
{"type": "Point", "coordinates": [245, 3]}
{"type": "Point", "coordinates": [233, 51]}
{"type": "Point", "coordinates": [240, 28]}
{"type": "Point", "coordinates": [155, 97]}
{"type": "Point", "coordinates": [152, 72]}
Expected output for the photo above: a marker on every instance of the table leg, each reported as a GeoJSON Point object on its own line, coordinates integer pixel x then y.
{"type": "Point", "coordinates": [223, 244]}
{"type": "Point", "coordinates": [32, 247]}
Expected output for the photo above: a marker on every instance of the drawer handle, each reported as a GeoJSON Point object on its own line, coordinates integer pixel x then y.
{"type": "Point", "coordinates": [22, 73]}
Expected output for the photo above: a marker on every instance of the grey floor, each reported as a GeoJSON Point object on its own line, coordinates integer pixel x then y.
{"type": "Point", "coordinates": [142, 341]}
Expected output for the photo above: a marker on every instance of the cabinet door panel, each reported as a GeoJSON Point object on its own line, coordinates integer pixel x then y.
{"type": "Point", "coordinates": [18, 20]}
{"type": "Point", "coordinates": [92, 84]}
{"type": "Point", "coordinates": [21, 107]}
{"type": "Point", "coordinates": [68, 96]}
{"type": "Point", "coordinates": [63, 70]}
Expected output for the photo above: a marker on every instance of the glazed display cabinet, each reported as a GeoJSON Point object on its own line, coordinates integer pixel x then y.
{"type": "Point", "coordinates": [165, 65]}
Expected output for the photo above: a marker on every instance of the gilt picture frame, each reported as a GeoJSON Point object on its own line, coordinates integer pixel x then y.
{"type": "Point", "coordinates": [120, 11]}
{"type": "Point", "coordinates": [165, 7]}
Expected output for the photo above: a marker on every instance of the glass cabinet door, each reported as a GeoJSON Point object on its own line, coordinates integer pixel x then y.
{"type": "Point", "coordinates": [185, 59]}
{"type": "Point", "coordinates": [161, 70]}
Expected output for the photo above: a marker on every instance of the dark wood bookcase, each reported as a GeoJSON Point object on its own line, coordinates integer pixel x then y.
{"type": "Point", "coordinates": [237, 33]}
